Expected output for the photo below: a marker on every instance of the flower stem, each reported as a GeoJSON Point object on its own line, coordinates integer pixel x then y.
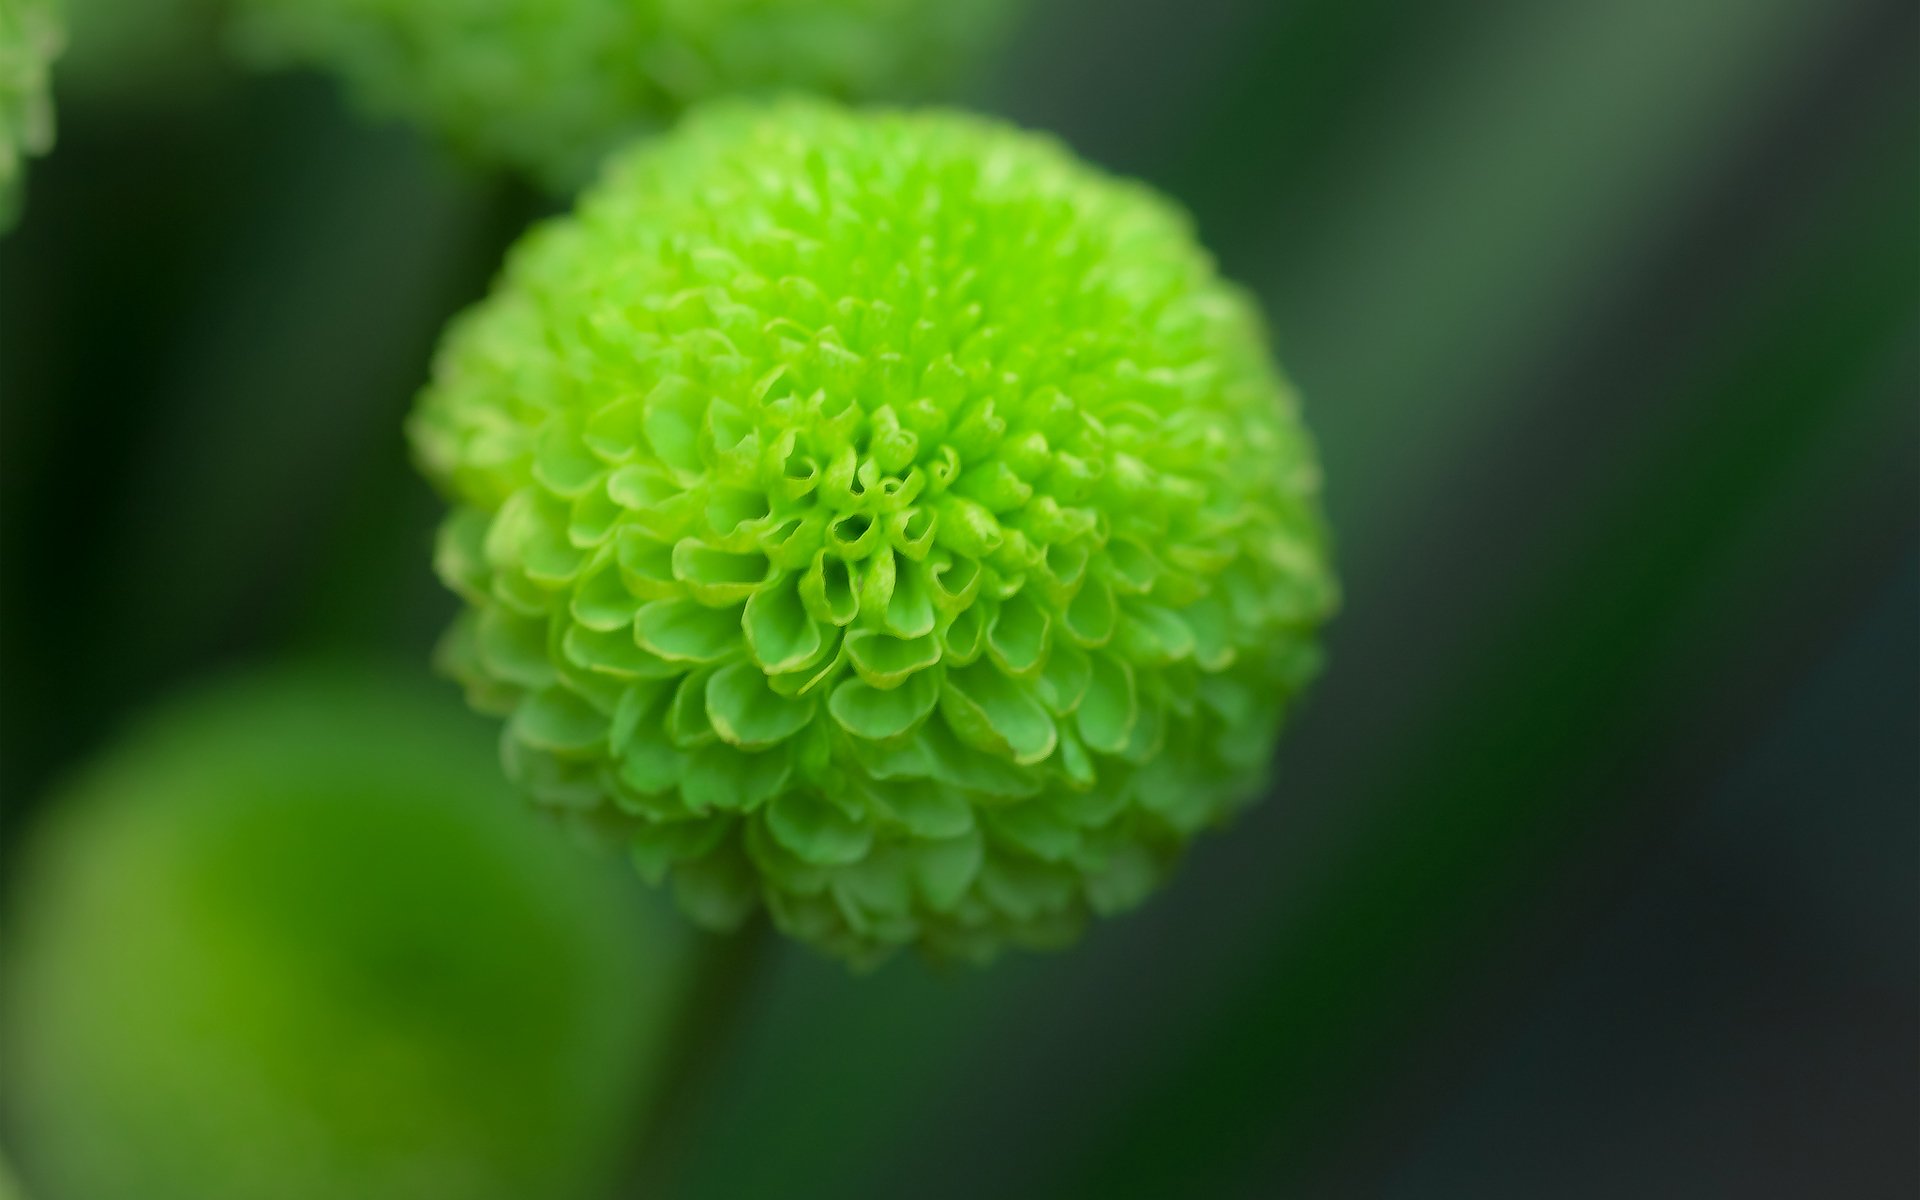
{"type": "Point", "coordinates": [711, 1017]}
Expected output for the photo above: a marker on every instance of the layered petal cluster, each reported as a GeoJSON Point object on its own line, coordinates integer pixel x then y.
{"type": "Point", "coordinates": [31, 36]}
{"type": "Point", "coordinates": [549, 86]}
{"type": "Point", "coordinates": [884, 517]}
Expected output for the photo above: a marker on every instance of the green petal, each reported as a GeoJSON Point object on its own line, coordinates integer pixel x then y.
{"type": "Point", "coordinates": [737, 516]}
{"type": "Point", "coordinates": [687, 723]}
{"type": "Point", "coordinates": [560, 722]}
{"type": "Point", "coordinates": [717, 577]}
{"type": "Point", "coordinates": [521, 595]}
{"type": "Point", "coordinates": [960, 766]}
{"type": "Point", "coordinates": [1107, 714]}
{"type": "Point", "coordinates": [601, 601]}
{"type": "Point", "coordinates": [1034, 827]}
{"type": "Point", "coordinates": [672, 423]}
{"type": "Point", "coordinates": [816, 831]}
{"type": "Point", "coordinates": [962, 639]}
{"type": "Point", "coordinates": [880, 885]}
{"type": "Point", "coordinates": [1064, 682]}
{"type": "Point", "coordinates": [967, 527]}
{"type": "Point", "coordinates": [1212, 631]}
{"type": "Point", "coordinates": [513, 648]}
{"type": "Point", "coordinates": [816, 674]}
{"type": "Point", "coordinates": [459, 553]}
{"type": "Point", "coordinates": [748, 713]}
{"type": "Point", "coordinates": [904, 758]}
{"type": "Point", "coordinates": [593, 518]}
{"type": "Point", "coordinates": [909, 611]}
{"type": "Point", "coordinates": [651, 764]}
{"type": "Point", "coordinates": [1230, 697]}
{"type": "Point", "coordinates": [994, 486]}
{"type": "Point", "coordinates": [1149, 729]}
{"type": "Point", "coordinates": [945, 869]}
{"type": "Point", "coordinates": [780, 634]}
{"type": "Point", "coordinates": [955, 582]}
{"type": "Point", "coordinates": [1026, 888]}
{"type": "Point", "coordinates": [646, 565]}
{"type": "Point", "coordinates": [1091, 618]}
{"type": "Point", "coordinates": [639, 710]}
{"type": "Point", "coordinates": [1017, 636]}
{"type": "Point", "coordinates": [531, 533]}
{"type": "Point", "coordinates": [658, 845]}
{"type": "Point", "coordinates": [792, 542]}
{"type": "Point", "coordinates": [1160, 788]}
{"type": "Point", "coordinates": [885, 661]}
{"type": "Point", "coordinates": [877, 577]}
{"type": "Point", "coordinates": [548, 779]}
{"type": "Point", "coordinates": [1081, 775]}
{"type": "Point", "coordinates": [853, 536]}
{"type": "Point", "coordinates": [718, 891]}
{"type": "Point", "coordinates": [614, 654]}
{"type": "Point", "coordinates": [994, 713]}
{"type": "Point", "coordinates": [1126, 877]}
{"type": "Point", "coordinates": [929, 812]}
{"type": "Point", "coordinates": [720, 777]}
{"type": "Point", "coordinates": [1152, 634]}
{"type": "Point", "coordinates": [827, 590]}
{"type": "Point", "coordinates": [561, 462]}
{"type": "Point", "coordinates": [787, 873]}
{"type": "Point", "coordinates": [1064, 564]}
{"type": "Point", "coordinates": [613, 429]}
{"type": "Point", "coordinates": [869, 712]}
{"type": "Point", "coordinates": [682, 631]}
{"type": "Point", "coordinates": [913, 531]}
{"type": "Point", "coordinates": [1131, 566]}
{"type": "Point", "coordinates": [643, 489]}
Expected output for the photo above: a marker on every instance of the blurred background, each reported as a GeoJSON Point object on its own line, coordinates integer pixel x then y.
{"type": "Point", "coordinates": [1592, 868]}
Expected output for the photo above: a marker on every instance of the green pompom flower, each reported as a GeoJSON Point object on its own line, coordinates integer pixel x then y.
{"type": "Point", "coordinates": [552, 85]}
{"type": "Point", "coordinates": [31, 36]}
{"type": "Point", "coordinates": [297, 938]}
{"type": "Point", "coordinates": [885, 517]}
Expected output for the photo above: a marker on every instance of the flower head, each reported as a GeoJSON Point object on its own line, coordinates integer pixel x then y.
{"type": "Point", "coordinates": [31, 36]}
{"type": "Point", "coordinates": [884, 517]}
{"type": "Point", "coordinates": [551, 85]}
{"type": "Point", "coordinates": [296, 938]}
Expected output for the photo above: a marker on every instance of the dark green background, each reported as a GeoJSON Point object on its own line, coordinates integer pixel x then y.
{"type": "Point", "coordinates": [1590, 869]}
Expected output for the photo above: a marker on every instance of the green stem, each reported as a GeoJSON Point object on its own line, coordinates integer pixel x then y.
{"type": "Point", "coordinates": [711, 1016]}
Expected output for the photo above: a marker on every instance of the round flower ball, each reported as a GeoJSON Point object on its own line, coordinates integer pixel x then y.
{"type": "Point", "coordinates": [296, 938]}
{"type": "Point", "coordinates": [550, 86]}
{"type": "Point", "coordinates": [31, 36]}
{"type": "Point", "coordinates": [885, 518]}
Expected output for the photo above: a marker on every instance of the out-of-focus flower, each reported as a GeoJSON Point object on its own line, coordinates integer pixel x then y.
{"type": "Point", "coordinates": [886, 517]}
{"type": "Point", "coordinates": [31, 36]}
{"type": "Point", "coordinates": [552, 85]}
{"type": "Point", "coordinates": [296, 939]}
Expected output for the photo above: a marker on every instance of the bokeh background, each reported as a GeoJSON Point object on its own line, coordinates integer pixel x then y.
{"type": "Point", "coordinates": [1592, 868]}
